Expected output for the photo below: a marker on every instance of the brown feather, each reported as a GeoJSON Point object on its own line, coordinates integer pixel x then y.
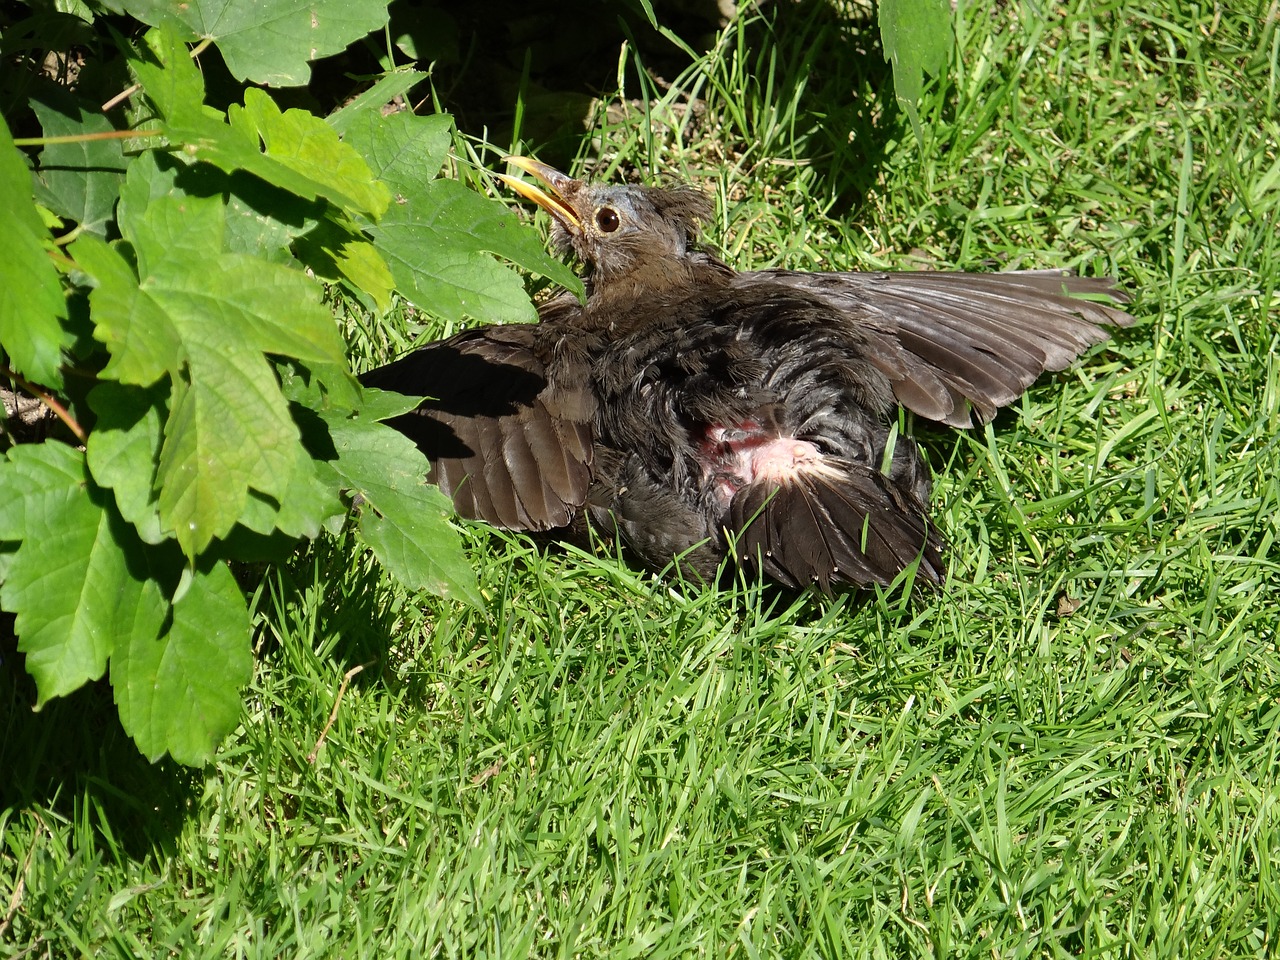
{"type": "Point", "coordinates": [489, 429]}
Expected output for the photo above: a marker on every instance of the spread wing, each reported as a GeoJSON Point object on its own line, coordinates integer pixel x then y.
{"type": "Point", "coordinates": [508, 440]}
{"type": "Point", "coordinates": [952, 342]}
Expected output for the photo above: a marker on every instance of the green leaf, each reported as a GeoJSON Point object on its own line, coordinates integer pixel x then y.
{"type": "Point", "coordinates": [140, 337]}
{"type": "Point", "coordinates": [187, 289]}
{"type": "Point", "coordinates": [209, 295]}
{"type": "Point", "coordinates": [319, 387]}
{"type": "Point", "coordinates": [270, 43]}
{"type": "Point", "coordinates": [206, 318]}
{"type": "Point", "coordinates": [80, 181]}
{"type": "Point", "coordinates": [411, 536]}
{"type": "Point", "coordinates": [34, 480]}
{"type": "Point", "coordinates": [301, 510]}
{"type": "Point", "coordinates": [126, 444]}
{"type": "Point", "coordinates": [69, 583]}
{"type": "Point", "coordinates": [31, 299]}
{"type": "Point", "coordinates": [123, 449]}
{"type": "Point", "coordinates": [232, 150]}
{"type": "Point", "coordinates": [169, 76]}
{"type": "Point", "coordinates": [179, 693]}
{"type": "Point", "coordinates": [303, 155]}
{"type": "Point", "coordinates": [370, 102]}
{"type": "Point", "coordinates": [305, 144]}
{"type": "Point", "coordinates": [385, 404]}
{"type": "Point", "coordinates": [432, 237]}
{"type": "Point", "coordinates": [262, 220]}
{"type": "Point", "coordinates": [403, 519]}
{"type": "Point", "coordinates": [228, 430]}
{"type": "Point", "coordinates": [917, 37]}
{"type": "Point", "coordinates": [403, 149]}
{"type": "Point", "coordinates": [493, 227]}
{"type": "Point", "coordinates": [339, 251]}
{"type": "Point", "coordinates": [234, 298]}
{"type": "Point", "coordinates": [171, 231]}
{"type": "Point", "coordinates": [360, 263]}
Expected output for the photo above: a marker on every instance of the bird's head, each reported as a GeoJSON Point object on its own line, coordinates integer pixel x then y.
{"type": "Point", "coordinates": [626, 231]}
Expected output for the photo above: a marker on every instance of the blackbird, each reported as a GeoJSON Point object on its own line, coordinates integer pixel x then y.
{"type": "Point", "coordinates": [696, 412]}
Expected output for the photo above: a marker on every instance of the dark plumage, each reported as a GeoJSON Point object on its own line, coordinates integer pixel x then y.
{"type": "Point", "coordinates": [692, 409]}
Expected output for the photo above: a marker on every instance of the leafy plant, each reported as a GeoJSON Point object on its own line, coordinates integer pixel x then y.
{"type": "Point", "coordinates": [160, 290]}
{"type": "Point", "coordinates": [917, 37]}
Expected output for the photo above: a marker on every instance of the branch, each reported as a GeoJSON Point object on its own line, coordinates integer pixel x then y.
{"type": "Point", "coordinates": [48, 400]}
{"type": "Point", "coordinates": [126, 94]}
{"type": "Point", "coordinates": [85, 137]}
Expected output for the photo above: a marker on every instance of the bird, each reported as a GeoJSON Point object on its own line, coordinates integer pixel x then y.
{"type": "Point", "coordinates": [697, 413]}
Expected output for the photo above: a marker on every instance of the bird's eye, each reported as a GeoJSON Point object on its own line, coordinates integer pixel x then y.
{"type": "Point", "coordinates": [607, 220]}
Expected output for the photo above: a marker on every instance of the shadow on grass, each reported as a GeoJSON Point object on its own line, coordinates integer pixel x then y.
{"type": "Point", "coordinates": [505, 73]}
{"type": "Point", "coordinates": [847, 99]}
{"type": "Point", "coordinates": [72, 757]}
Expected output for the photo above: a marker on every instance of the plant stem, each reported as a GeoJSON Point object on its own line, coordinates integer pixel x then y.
{"type": "Point", "coordinates": [49, 401]}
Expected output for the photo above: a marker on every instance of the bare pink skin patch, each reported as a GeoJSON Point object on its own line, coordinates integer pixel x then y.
{"type": "Point", "coordinates": [733, 457]}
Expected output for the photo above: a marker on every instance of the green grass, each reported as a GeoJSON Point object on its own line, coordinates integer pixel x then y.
{"type": "Point", "coordinates": [1072, 750]}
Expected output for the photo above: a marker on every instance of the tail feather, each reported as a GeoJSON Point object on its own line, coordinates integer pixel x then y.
{"type": "Point", "coordinates": [835, 527]}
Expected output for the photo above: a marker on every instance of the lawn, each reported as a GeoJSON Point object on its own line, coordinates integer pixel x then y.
{"type": "Point", "coordinates": [1071, 749]}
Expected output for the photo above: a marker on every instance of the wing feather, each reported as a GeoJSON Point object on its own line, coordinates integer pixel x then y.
{"type": "Point", "coordinates": [508, 439]}
{"type": "Point", "coordinates": [948, 341]}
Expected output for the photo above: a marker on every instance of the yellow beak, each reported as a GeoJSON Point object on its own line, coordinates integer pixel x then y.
{"type": "Point", "coordinates": [555, 203]}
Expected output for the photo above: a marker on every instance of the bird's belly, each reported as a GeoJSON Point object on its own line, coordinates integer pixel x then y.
{"type": "Point", "coordinates": [731, 457]}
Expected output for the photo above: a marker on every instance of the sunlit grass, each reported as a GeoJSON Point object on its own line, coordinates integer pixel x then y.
{"type": "Point", "coordinates": [1070, 750]}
